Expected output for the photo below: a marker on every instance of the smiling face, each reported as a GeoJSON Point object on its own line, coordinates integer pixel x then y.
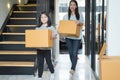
{"type": "Point", "coordinates": [73, 6]}
{"type": "Point", "coordinates": [44, 19]}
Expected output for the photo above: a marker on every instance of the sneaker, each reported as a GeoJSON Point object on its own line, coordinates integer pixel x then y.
{"type": "Point", "coordinates": [39, 78]}
{"type": "Point", "coordinates": [52, 76]}
{"type": "Point", "coordinates": [72, 71]}
{"type": "Point", "coordinates": [77, 58]}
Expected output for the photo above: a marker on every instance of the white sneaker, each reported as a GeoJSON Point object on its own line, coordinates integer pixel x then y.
{"type": "Point", "coordinates": [72, 71]}
{"type": "Point", "coordinates": [39, 79]}
{"type": "Point", "coordinates": [52, 76]}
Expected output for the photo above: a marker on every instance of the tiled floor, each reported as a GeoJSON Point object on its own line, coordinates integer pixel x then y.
{"type": "Point", "coordinates": [83, 71]}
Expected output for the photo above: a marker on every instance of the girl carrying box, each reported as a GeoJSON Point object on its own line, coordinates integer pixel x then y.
{"type": "Point", "coordinates": [45, 53]}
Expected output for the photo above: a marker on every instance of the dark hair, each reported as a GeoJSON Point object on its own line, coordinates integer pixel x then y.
{"type": "Point", "coordinates": [76, 10]}
{"type": "Point", "coordinates": [49, 21]}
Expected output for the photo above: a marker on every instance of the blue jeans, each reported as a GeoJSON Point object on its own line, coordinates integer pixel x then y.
{"type": "Point", "coordinates": [73, 47]}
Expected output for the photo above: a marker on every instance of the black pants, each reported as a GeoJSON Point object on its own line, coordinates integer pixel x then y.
{"type": "Point", "coordinates": [41, 55]}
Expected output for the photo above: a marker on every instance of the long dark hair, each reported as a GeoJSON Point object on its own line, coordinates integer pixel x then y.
{"type": "Point", "coordinates": [49, 21]}
{"type": "Point", "coordinates": [76, 10]}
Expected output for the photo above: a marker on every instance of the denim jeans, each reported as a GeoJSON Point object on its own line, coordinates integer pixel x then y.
{"type": "Point", "coordinates": [73, 47]}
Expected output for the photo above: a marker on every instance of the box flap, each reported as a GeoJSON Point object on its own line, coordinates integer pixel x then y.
{"type": "Point", "coordinates": [102, 51]}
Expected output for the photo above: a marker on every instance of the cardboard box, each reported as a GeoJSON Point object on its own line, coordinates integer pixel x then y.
{"type": "Point", "coordinates": [69, 28]}
{"type": "Point", "coordinates": [38, 38]}
{"type": "Point", "coordinates": [109, 66]}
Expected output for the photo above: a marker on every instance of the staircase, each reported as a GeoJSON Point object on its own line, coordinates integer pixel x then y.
{"type": "Point", "coordinates": [15, 58]}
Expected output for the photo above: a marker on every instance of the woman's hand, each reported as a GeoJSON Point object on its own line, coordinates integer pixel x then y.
{"type": "Point", "coordinates": [78, 23]}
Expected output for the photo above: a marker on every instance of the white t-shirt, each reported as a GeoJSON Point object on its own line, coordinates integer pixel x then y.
{"type": "Point", "coordinates": [50, 28]}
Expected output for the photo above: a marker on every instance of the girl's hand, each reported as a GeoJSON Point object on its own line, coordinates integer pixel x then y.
{"type": "Point", "coordinates": [53, 37]}
{"type": "Point", "coordinates": [77, 22]}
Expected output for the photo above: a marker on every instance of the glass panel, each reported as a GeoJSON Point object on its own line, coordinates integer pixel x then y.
{"type": "Point", "coordinates": [101, 23]}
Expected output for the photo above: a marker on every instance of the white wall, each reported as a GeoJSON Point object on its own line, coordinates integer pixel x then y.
{"type": "Point", "coordinates": [4, 10]}
{"type": "Point", "coordinates": [113, 28]}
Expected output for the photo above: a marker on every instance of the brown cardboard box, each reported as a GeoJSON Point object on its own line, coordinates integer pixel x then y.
{"type": "Point", "coordinates": [69, 28]}
{"type": "Point", "coordinates": [38, 38]}
{"type": "Point", "coordinates": [109, 66]}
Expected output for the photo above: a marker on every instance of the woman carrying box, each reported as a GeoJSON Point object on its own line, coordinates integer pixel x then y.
{"type": "Point", "coordinates": [45, 53]}
{"type": "Point", "coordinates": [73, 42]}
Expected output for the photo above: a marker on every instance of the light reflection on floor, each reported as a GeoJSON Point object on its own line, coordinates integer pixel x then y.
{"type": "Point", "coordinates": [83, 70]}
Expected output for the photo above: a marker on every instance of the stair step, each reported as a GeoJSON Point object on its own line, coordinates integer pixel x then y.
{"type": "Point", "coordinates": [18, 52]}
{"type": "Point", "coordinates": [24, 11]}
{"type": "Point", "coordinates": [12, 42]}
{"type": "Point", "coordinates": [12, 33]}
{"type": "Point", "coordinates": [21, 25]}
{"type": "Point", "coordinates": [28, 5]}
{"type": "Point", "coordinates": [23, 18]}
{"type": "Point", "coordinates": [16, 64]}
